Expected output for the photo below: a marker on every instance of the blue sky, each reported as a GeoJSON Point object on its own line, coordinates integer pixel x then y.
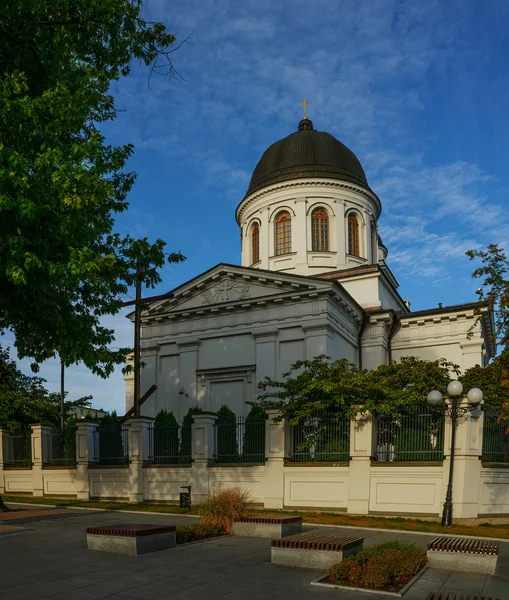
{"type": "Point", "coordinates": [418, 90]}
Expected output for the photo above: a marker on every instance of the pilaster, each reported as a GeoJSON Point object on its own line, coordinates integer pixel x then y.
{"type": "Point", "coordinates": [275, 453]}
{"type": "Point", "coordinates": [266, 353]}
{"type": "Point", "coordinates": [362, 434]}
{"type": "Point", "coordinates": [202, 454]}
{"type": "Point", "coordinates": [85, 454]}
{"type": "Point", "coordinates": [41, 443]}
{"type": "Point", "coordinates": [188, 350]}
{"type": "Point", "coordinates": [472, 352]}
{"type": "Point", "coordinates": [139, 452]}
{"type": "Point", "coordinates": [319, 339]}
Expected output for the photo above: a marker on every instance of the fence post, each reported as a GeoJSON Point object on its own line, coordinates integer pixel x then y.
{"type": "Point", "coordinates": [467, 464]}
{"type": "Point", "coordinates": [139, 451]}
{"type": "Point", "coordinates": [362, 443]}
{"type": "Point", "coordinates": [5, 444]}
{"type": "Point", "coordinates": [85, 454]}
{"type": "Point", "coordinates": [41, 440]}
{"type": "Point", "coordinates": [276, 442]}
{"type": "Point", "coordinates": [202, 436]}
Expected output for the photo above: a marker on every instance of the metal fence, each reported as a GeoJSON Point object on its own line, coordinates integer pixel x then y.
{"type": "Point", "coordinates": [111, 444]}
{"type": "Point", "coordinates": [321, 438]}
{"type": "Point", "coordinates": [20, 454]}
{"type": "Point", "coordinates": [415, 436]}
{"type": "Point", "coordinates": [170, 444]}
{"type": "Point", "coordinates": [63, 448]}
{"type": "Point", "coordinates": [240, 439]}
{"type": "Point", "coordinates": [495, 443]}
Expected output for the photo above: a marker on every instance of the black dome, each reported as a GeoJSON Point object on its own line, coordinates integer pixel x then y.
{"type": "Point", "coordinates": [306, 154]}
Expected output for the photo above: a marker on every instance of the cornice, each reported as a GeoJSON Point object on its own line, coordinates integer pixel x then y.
{"type": "Point", "coordinates": [244, 205]}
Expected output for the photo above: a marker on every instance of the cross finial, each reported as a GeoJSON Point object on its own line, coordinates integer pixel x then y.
{"type": "Point", "coordinates": [304, 105]}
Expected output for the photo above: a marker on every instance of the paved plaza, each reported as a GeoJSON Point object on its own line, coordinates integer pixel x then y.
{"type": "Point", "coordinates": [48, 559]}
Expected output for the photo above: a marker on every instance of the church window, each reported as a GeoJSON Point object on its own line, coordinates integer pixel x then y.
{"type": "Point", "coordinates": [320, 230]}
{"type": "Point", "coordinates": [353, 235]}
{"type": "Point", "coordinates": [255, 243]}
{"type": "Point", "coordinates": [283, 233]}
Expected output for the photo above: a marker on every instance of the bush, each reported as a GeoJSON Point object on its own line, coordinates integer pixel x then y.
{"type": "Point", "coordinates": [226, 430]}
{"type": "Point", "coordinates": [219, 511]}
{"type": "Point", "coordinates": [192, 533]}
{"type": "Point", "coordinates": [166, 438]}
{"type": "Point", "coordinates": [253, 447]}
{"type": "Point", "coordinates": [187, 421]}
{"type": "Point", "coordinates": [388, 567]}
{"type": "Point", "coordinates": [111, 445]}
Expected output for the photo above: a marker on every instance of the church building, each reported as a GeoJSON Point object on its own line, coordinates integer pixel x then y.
{"type": "Point", "coordinates": [313, 280]}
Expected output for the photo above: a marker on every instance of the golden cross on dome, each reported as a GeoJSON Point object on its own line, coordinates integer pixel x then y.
{"type": "Point", "coordinates": [304, 105]}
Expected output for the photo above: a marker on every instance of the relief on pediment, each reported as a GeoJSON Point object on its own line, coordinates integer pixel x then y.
{"type": "Point", "coordinates": [225, 291]}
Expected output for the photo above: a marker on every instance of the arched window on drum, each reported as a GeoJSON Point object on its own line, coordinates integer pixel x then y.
{"type": "Point", "coordinates": [320, 230]}
{"type": "Point", "coordinates": [353, 235]}
{"type": "Point", "coordinates": [283, 233]}
{"type": "Point", "coordinates": [255, 243]}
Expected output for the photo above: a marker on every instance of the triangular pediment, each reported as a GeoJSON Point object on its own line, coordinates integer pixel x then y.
{"type": "Point", "coordinates": [225, 285]}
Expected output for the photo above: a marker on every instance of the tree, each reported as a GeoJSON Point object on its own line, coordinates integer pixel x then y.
{"type": "Point", "coordinates": [25, 400]}
{"type": "Point", "coordinates": [313, 387]}
{"type": "Point", "coordinates": [111, 441]}
{"type": "Point", "coordinates": [187, 423]}
{"type": "Point", "coordinates": [166, 438]}
{"type": "Point", "coordinates": [253, 446]}
{"type": "Point", "coordinates": [494, 292]}
{"type": "Point", "coordinates": [62, 265]}
{"type": "Point", "coordinates": [226, 431]}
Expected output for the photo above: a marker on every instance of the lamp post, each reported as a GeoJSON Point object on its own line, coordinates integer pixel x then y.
{"type": "Point", "coordinates": [454, 410]}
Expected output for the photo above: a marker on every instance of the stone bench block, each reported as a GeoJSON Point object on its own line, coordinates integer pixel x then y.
{"type": "Point", "coordinates": [463, 554]}
{"type": "Point", "coordinates": [268, 527]}
{"type": "Point", "coordinates": [314, 550]}
{"type": "Point", "coordinates": [131, 539]}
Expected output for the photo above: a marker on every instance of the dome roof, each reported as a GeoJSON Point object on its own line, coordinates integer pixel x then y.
{"type": "Point", "coordinates": [306, 154]}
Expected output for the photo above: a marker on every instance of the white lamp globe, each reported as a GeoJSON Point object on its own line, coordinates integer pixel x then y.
{"type": "Point", "coordinates": [455, 388]}
{"type": "Point", "coordinates": [475, 396]}
{"type": "Point", "coordinates": [434, 398]}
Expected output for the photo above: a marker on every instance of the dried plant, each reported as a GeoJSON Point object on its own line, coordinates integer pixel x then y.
{"type": "Point", "coordinates": [220, 510]}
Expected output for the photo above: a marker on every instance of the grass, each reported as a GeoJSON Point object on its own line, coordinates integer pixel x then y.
{"type": "Point", "coordinates": [195, 532]}
{"type": "Point", "coordinates": [322, 518]}
{"type": "Point", "coordinates": [219, 511]}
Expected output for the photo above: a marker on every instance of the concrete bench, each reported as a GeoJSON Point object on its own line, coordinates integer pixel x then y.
{"type": "Point", "coordinates": [451, 596]}
{"type": "Point", "coordinates": [267, 526]}
{"type": "Point", "coordinates": [463, 554]}
{"type": "Point", "coordinates": [131, 539]}
{"type": "Point", "coordinates": [314, 549]}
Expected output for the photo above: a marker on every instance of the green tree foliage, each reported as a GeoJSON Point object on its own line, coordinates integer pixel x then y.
{"type": "Point", "coordinates": [166, 438]}
{"type": "Point", "coordinates": [111, 446]}
{"type": "Point", "coordinates": [312, 387]}
{"type": "Point", "coordinates": [493, 380]}
{"type": "Point", "coordinates": [62, 264]}
{"type": "Point", "coordinates": [253, 447]}
{"type": "Point", "coordinates": [226, 431]}
{"type": "Point", "coordinates": [187, 422]}
{"type": "Point", "coordinates": [25, 400]}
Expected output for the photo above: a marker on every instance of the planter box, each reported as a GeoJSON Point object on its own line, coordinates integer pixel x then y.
{"type": "Point", "coordinates": [462, 554]}
{"type": "Point", "coordinates": [131, 539]}
{"type": "Point", "coordinates": [268, 527]}
{"type": "Point", "coordinates": [314, 550]}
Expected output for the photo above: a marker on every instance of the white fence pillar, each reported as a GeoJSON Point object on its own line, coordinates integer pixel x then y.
{"type": "Point", "coordinates": [41, 443]}
{"type": "Point", "coordinates": [275, 454]}
{"type": "Point", "coordinates": [362, 442]}
{"type": "Point", "coordinates": [467, 464]}
{"type": "Point", "coordinates": [139, 452]}
{"type": "Point", "coordinates": [85, 454]}
{"type": "Point", "coordinates": [5, 447]}
{"type": "Point", "coordinates": [202, 454]}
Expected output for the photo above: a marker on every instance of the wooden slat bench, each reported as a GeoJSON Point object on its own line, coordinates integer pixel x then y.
{"type": "Point", "coordinates": [452, 596]}
{"type": "Point", "coordinates": [463, 554]}
{"type": "Point", "coordinates": [268, 526]}
{"type": "Point", "coordinates": [131, 539]}
{"type": "Point", "coordinates": [314, 549]}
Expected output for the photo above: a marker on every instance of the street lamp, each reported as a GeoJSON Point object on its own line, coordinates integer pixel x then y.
{"type": "Point", "coordinates": [435, 400]}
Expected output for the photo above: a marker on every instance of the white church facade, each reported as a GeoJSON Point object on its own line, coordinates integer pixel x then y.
{"type": "Point", "coordinates": [313, 280]}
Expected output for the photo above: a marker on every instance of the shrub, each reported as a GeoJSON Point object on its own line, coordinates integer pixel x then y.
{"type": "Point", "coordinates": [166, 438]}
{"type": "Point", "coordinates": [253, 447]}
{"type": "Point", "coordinates": [192, 533]}
{"type": "Point", "coordinates": [187, 421]}
{"type": "Point", "coordinates": [111, 446]}
{"type": "Point", "coordinates": [226, 431]}
{"type": "Point", "coordinates": [388, 566]}
{"type": "Point", "coordinates": [219, 511]}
